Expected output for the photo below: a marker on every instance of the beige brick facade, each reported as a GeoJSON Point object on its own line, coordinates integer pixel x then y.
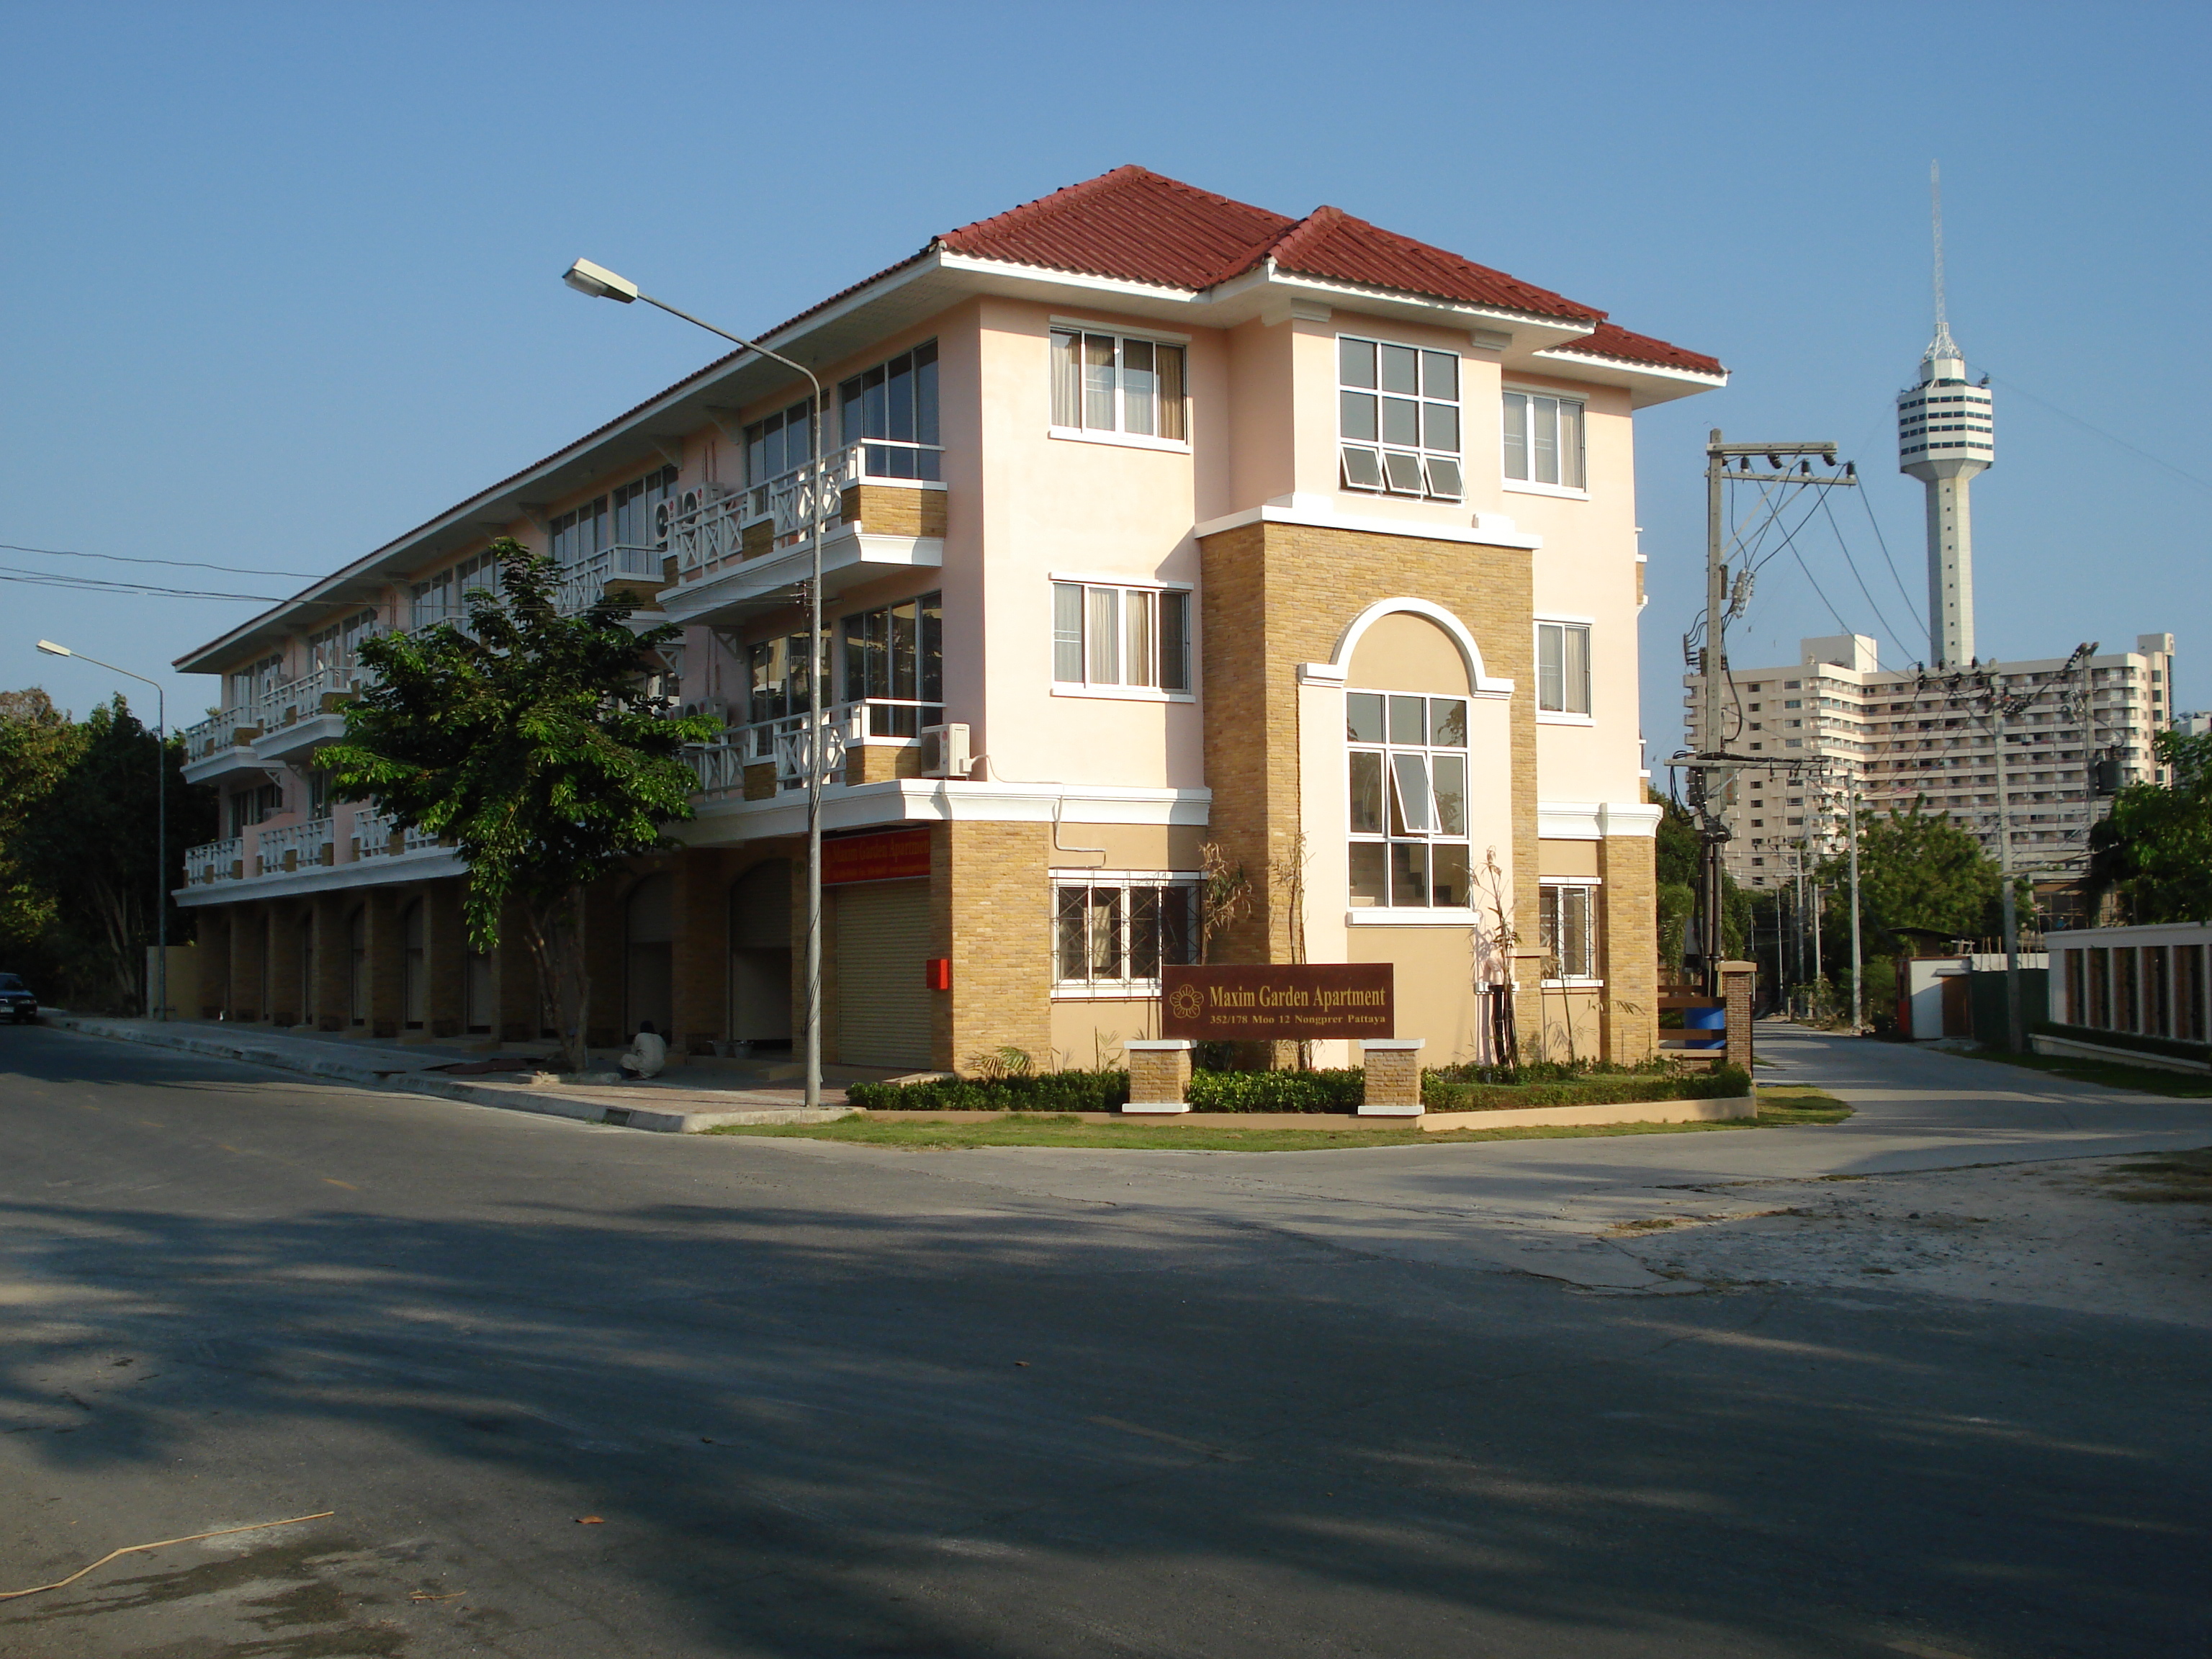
{"type": "Point", "coordinates": [1277, 595]}
{"type": "Point", "coordinates": [1628, 938]}
{"type": "Point", "coordinates": [991, 914]}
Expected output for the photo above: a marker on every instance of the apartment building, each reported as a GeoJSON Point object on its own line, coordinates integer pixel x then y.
{"type": "Point", "coordinates": [1894, 736]}
{"type": "Point", "coordinates": [1160, 520]}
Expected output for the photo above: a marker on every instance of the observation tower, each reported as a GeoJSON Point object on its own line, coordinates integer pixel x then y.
{"type": "Point", "coordinates": [1945, 435]}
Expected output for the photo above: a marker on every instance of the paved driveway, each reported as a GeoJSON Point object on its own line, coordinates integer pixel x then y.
{"type": "Point", "coordinates": [830, 1401]}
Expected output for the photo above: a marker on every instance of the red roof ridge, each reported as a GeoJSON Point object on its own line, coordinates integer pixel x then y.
{"type": "Point", "coordinates": [1131, 223]}
{"type": "Point", "coordinates": [1611, 340]}
{"type": "Point", "coordinates": [1332, 243]}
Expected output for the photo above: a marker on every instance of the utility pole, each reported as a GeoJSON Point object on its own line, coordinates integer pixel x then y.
{"type": "Point", "coordinates": [1994, 709]}
{"type": "Point", "coordinates": [1858, 968]}
{"type": "Point", "coordinates": [1712, 767]}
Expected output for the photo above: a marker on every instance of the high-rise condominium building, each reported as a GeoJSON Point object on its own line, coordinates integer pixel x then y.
{"type": "Point", "coordinates": [1836, 722]}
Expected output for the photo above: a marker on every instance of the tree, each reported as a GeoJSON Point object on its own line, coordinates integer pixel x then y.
{"type": "Point", "coordinates": [2154, 851]}
{"type": "Point", "coordinates": [1918, 871]}
{"type": "Point", "coordinates": [87, 846]}
{"type": "Point", "coordinates": [1676, 851]}
{"type": "Point", "coordinates": [528, 739]}
{"type": "Point", "coordinates": [39, 743]}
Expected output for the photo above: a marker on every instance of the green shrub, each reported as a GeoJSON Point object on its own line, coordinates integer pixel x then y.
{"type": "Point", "coordinates": [1275, 1091]}
{"type": "Point", "coordinates": [2172, 1047]}
{"type": "Point", "coordinates": [1617, 1085]}
{"type": "Point", "coordinates": [1018, 1091]}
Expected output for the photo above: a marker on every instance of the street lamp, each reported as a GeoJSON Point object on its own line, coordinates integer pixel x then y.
{"type": "Point", "coordinates": [599, 283]}
{"type": "Point", "coordinates": [160, 988]}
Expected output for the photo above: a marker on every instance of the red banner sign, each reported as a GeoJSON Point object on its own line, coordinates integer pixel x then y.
{"type": "Point", "coordinates": [1284, 1003]}
{"type": "Point", "coordinates": [898, 855]}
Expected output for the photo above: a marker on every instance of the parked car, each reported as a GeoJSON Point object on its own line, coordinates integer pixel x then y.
{"type": "Point", "coordinates": [17, 998]}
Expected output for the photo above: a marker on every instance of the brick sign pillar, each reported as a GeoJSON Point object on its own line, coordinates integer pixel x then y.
{"type": "Point", "coordinates": [1393, 1078]}
{"type": "Point", "coordinates": [1737, 979]}
{"type": "Point", "coordinates": [1159, 1074]}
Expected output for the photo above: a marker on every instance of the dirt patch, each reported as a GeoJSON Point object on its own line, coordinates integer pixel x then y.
{"type": "Point", "coordinates": [2175, 1178]}
{"type": "Point", "coordinates": [2051, 1235]}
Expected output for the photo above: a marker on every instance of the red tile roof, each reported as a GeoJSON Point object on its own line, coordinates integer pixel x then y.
{"type": "Point", "coordinates": [1131, 224]}
{"type": "Point", "coordinates": [1612, 340]}
{"type": "Point", "coordinates": [1330, 242]}
{"type": "Point", "coordinates": [1138, 226]}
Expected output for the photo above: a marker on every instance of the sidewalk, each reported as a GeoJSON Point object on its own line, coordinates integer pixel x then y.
{"type": "Point", "coordinates": [683, 1100]}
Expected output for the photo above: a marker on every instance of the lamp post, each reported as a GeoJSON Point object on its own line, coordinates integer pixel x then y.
{"type": "Point", "coordinates": [600, 283]}
{"type": "Point", "coordinates": [159, 989]}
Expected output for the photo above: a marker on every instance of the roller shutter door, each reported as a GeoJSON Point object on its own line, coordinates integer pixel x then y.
{"type": "Point", "coordinates": [882, 936]}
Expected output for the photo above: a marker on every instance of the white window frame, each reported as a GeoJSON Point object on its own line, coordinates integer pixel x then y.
{"type": "Point", "coordinates": [1094, 988]}
{"type": "Point", "coordinates": [1432, 471]}
{"type": "Point", "coordinates": [1096, 593]}
{"type": "Point", "coordinates": [1393, 777]}
{"type": "Point", "coordinates": [1527, 483]}
{"type": "Point", "coordinates": [1549, 887]}
{"type": "Point", "coordinates": [1082, 430]}
{"type": "Point", "coordinates": [1565, 714]}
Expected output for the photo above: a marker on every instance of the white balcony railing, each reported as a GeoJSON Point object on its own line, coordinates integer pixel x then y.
{"type": "Point", "coordinates": [309, 845]}
{"type": "Point", "coordinates": [721, 766]}
{"type": "Point", "coordinates": [270, 710]}
{"type": "Point", "coordinates": [215, 862]}
{"type": "Point", "coordinates": [581, 584]}
{"type": "Point", "coordinates": [214, 734]}
{"type": "Point", "coordinates": [705, 524]}
{"type": "Point", "coordinates": [372, 838]}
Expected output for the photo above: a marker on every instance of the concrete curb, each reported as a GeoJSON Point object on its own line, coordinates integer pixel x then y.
{"type": "Point", "coordinates": [556, 1102]}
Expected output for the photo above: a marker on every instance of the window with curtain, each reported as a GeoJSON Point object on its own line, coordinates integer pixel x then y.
{"type": "Point", "coordinates": [1116, 637]}
{"type": "Point", "coordinates": [1116, 933]}
{"type": "Point", "coordinates": [1120, 383]}
{"type": "Point", "coordinates": [780, 444]}
{"type": "Point", "coordinates": [1408, 810]}
{"type": "Point", "coordinates": [776, 676]}
{"type": "Point", "coordinates": [636, 505]}
{"type": "Point", "coordinates": [1568, 931]}
{"type": "Point", "coordinates": [1563, 667]}
{"type": "Point", "coordinates": [897, 652]}
{"type": "Point", "coordinates": [1544, 440]}
{"type": "Point", "coordinates": [248, 683]}
{"type": "Point", "coordinates": [895, 404]}
{"type": "Point", "coordinates": [1398, 409]}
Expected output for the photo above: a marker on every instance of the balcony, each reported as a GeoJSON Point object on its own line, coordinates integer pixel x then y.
{"type": "Point", "coordinates": [216, 863]}
{"type": "Point", "coordinates": [296, 847]}
{"type": "Point", "coordinates": [863, 742]}
{"type": "Point", "coordinates": [638, 573]}
{"type": "Point", "coordinates": [375, 837]}
{"type": "Point", "coordinates": [223, 743]}
{"type": "Point", "coordinates": [739, 553]}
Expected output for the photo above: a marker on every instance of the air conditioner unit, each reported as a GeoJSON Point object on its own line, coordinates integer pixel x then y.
{"type": "Point", "coordinates": [713, 707]}
{"type": "Point", "coordinates": [944, 752]}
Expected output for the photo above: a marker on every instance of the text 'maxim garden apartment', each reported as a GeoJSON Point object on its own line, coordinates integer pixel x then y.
{"type": "Point", "coordinates": [1161, 519]}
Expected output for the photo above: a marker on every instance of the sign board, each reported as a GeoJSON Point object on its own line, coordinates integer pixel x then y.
{"type": "Point", "coordinates": [1285, 1003]}
{"type": "Point", "coordinates": [898, 855]}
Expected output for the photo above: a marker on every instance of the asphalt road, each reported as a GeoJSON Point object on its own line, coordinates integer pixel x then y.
{"type": "Point", "coordinates": [828, 1401]}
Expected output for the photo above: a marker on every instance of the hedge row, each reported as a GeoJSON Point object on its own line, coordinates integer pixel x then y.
{"type": "Point", "coordinates": [2172, 1047]}
{"type": "Point", "coordinates": [1037, 1091]}
{"type": "Point", "coordinates": [1723, 1082]}
{"type": "Point", "coordinates": [1288, 1091]}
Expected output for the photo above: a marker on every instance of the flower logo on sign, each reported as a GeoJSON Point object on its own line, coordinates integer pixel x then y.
{"type": "Point", "coordinates": [1186, 1002]}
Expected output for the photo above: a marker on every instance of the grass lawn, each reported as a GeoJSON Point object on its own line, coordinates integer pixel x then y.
{"type": "Point", "coordinates": [1778, 1107]}
{"type": "Point", "coordinates": [2140, 1079]}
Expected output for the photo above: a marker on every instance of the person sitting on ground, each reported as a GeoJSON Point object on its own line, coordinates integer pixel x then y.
{"type": "Point", "coordinates": [647, 1054]}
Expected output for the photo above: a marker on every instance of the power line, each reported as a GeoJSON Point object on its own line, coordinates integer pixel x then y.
{"type": "Point", "coordinates": [96, 584]}
{"type": "Point", "coordinates": [1911, 608]}
{"type": "Point", "coordinates": [180, 564]}
{"type": "Point", "coordinates": [1888, 627]}
{"type": "Point", "coordinates": [2015, 386]}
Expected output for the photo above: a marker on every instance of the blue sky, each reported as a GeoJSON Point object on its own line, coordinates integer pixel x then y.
{"type": "Point", "coordinates": [281, 281]}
